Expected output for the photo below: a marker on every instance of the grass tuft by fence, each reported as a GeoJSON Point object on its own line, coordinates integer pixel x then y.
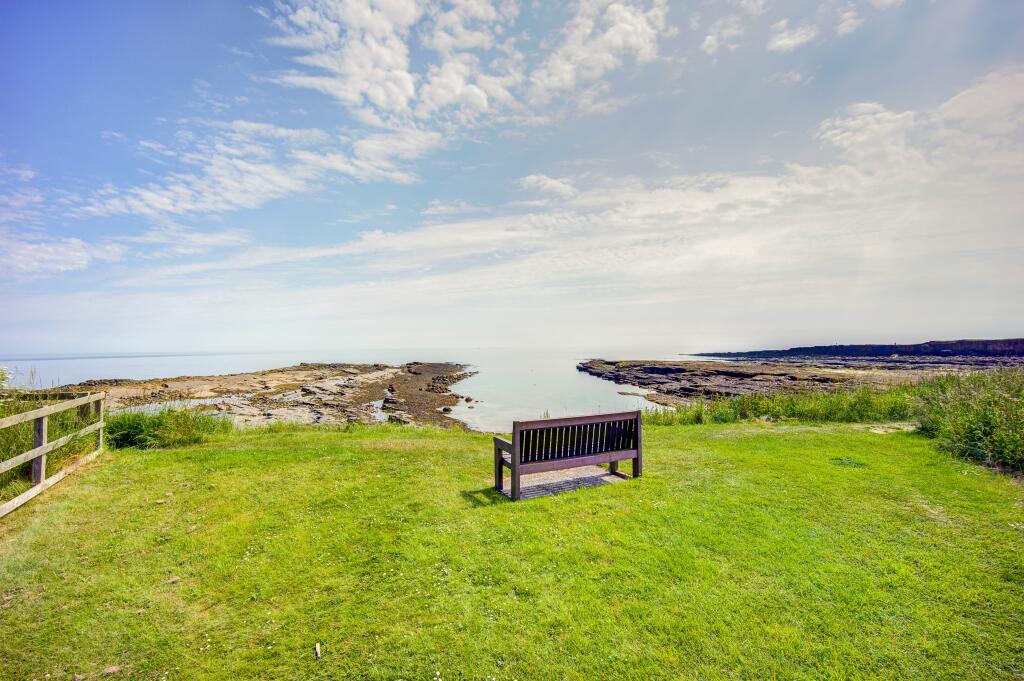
{"type": "Point", "coordinates": [20, 438]}
{"type": "Point", "coordinates": [40, 435]}
{"type": "Point", "coordinates": [165, 428]}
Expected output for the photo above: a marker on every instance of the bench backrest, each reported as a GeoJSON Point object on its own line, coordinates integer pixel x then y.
{"type": "Point", "coordinates": [554, 439]}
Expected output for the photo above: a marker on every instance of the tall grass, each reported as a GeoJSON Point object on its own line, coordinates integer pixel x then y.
{"type": "Point", "coordinates": [19, 438]}
{"type": "Point", "coordinates": [862, 405]}
{"type": "Point", "coordinates": [165, 428]}
{"type": "Point", "coordinates": [977, 416]}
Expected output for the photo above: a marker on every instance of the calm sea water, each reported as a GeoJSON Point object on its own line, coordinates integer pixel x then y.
{"type": "Point", "coordinates": [509, 384]}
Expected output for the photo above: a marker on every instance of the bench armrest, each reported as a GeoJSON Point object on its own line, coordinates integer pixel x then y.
{"type": "Point", "coordinates": [503, 444]}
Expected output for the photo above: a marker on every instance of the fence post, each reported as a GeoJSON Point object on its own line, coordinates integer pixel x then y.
{"type": "Point", "coordinates": [39, 463]}
{"type": "Point", "coordinates": [99, 415]}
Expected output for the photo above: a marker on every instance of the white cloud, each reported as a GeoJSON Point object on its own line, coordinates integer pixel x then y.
{"type": "Point", "coordinates": [905, 197]}
{"type": "Point", "coordinates": [894, 201]}
{"type": "Point", "coordinates": [437, 207]}
{"type": "Point", "coordinates": [849, 21]}
{"type": "Point", "coordinates": [547, 185]}
{"type": "Point", "coordinates": [357, 50]}
{"type": "Point", "coordinates": [451, 84]}
{"type": "Point", "coordinates": [377, 156]}
{"type": "Point", "coordinates": [885, 4]}
{"type": "Point", "coordinates": [368, 214]}
{"type": "Point", "coordinates": [19, 201]}
{"type": "Point", "coordinates": [171, 239]}
{"type": "Point", "coordinates": [597, 40]}
{"type": "Point", "coordinates": [478, 69]}
{"type": "Point", "coordinates": [789, 78]}
{"type": "Point", "coordinates": [237, 165]}
{"type": "Point", "coordinates": [113, 135]}
{"type": "Point", "coordinates": [21, 173]}
{"type": "Point", "coordinates": [786, 39]}
{"type": "Point", "coordinates": [29, 255]}
{"type": "Point", "coordinates": [19, 204]}
{"type": "Point", "coordinates": [721, 34]}
{"type": "Point", "coordinates": [995, 103]}
{"type": "Point", "coordinates": [755, 7]}
{"type": "Point", "coordinates": [154, 147]}
{"type": "Point", "coordinates": [224, 183]}
{"type": "Point", "coordinates": [245, 164]}
{"type": "Point", "coordinates": [467, 25]}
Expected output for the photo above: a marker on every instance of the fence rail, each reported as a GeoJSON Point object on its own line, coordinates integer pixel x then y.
{"type": "Point", "coordinates": [86, 405]}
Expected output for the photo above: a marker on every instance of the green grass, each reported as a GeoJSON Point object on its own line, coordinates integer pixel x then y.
{"type": "Point", "coordinates": [746, 551]}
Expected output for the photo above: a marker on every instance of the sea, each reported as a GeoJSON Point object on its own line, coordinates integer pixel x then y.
{"type": "Point", "coordinates": [508, 384]}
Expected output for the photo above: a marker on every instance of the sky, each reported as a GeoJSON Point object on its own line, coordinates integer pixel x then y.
{"type": "Point", "coordinates": [716, 175]}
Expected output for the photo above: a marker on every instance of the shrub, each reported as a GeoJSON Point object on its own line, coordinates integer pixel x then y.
{"type": "Point", "coordinates": [978, 416]}
{"type": "Point", "coordinates": [165, 428]}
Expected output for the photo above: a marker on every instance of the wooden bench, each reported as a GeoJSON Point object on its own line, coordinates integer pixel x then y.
{"type": "Point", "coordinates": [553, 444]}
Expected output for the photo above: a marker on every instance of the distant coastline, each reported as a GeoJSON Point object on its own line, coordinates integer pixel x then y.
{"type": "Point", "coordinates": [1008, 347]}
{"type": "Point", "coordinates": [820, 367]}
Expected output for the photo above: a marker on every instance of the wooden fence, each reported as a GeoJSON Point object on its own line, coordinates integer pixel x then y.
{"type": "Point", "coordinates": [87, 405]}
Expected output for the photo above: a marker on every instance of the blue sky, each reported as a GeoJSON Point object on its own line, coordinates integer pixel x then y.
{"type": "Point", "coordinates": [709, 175]}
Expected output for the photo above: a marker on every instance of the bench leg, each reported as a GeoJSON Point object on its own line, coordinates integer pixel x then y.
{"type": "Point", "coordinates": [498, 472]}
{"type": "Point", "coordinates": [638, 467]}
{"type": "Point", "coordinates": [613, 467]}
{"type": "Point", "coordinates": [515, 486]}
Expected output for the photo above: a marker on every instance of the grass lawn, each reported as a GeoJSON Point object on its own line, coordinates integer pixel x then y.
{"type": "Point", "coordinates": [746, 551]}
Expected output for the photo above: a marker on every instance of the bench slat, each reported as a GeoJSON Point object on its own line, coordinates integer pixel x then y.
{"type": "Point", "coordinates": [575, 420]}
{"type": "Point", "coordinates": [575, 461]}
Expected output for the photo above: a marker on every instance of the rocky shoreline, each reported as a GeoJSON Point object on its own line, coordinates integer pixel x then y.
{"type": "Point", "coordinates": [674, 382]}
{"type": "Point", "coordinates": [417, 392]}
